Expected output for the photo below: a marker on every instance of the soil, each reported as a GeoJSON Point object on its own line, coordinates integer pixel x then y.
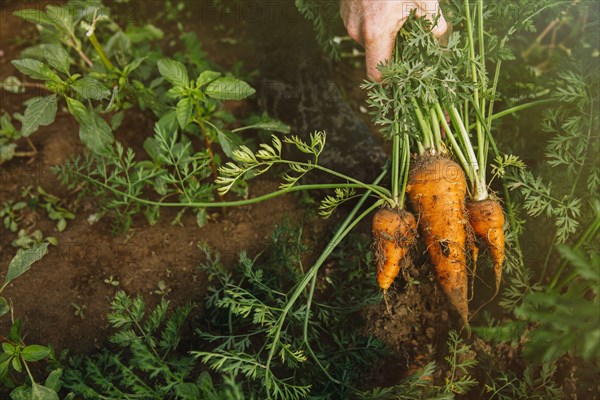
{"type": "Point", "coordinates": [77, 273]}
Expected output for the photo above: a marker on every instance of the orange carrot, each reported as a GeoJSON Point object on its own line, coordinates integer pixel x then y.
{"type": "Point", "coordinates": [487, 220]}
{"type": "Point", "coordinates": [437, 189]}
{"type": "Point", "coordinates": [393, 235]}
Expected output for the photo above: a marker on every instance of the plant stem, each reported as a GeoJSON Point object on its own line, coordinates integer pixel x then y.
{"type": "Point", "coordinates": [235, 203]}
{"type": "Point", "coordinates": [404, 171]}
{"type": "Point", "coordinates": [92, 37]}
{"type": "Point", "coordinates": [346, 226]}
{"type": "Point", "coordinates": [587, 236]}
{"type": "Point", "coordinates": [349, 224]}
{"type": "Point", "coordinates": [457, 150]}
{"type": "Point", "coordinates": [213, 164]}
{"type": "Point", "coordinates": [515, 109]}
{"type": "Point", "coordinates": [425, 129]}
{"type": "Point", "coordinates": [395, 162]}
{"type": "Point", "coordinates": [475, 80]}
{"type": "Point", "coordinates": [437, 134]}
{"type": "Point", "coordinates": [480, 190]}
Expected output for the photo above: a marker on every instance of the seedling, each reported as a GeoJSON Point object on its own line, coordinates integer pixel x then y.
{"type": "Point", "coordinates": [78, 310]}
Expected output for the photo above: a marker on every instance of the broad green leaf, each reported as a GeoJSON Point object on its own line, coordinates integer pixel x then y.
{"type": "Point", "coordinates": [53, 380]}
{"type": "Point", "coordinates": [15, 331]}
{"type": "Point", "coordinates": [4, 306]}
{"type": "Point", "coordinates": [184, 111]}
{"type": "Point", "coordinates": [229, 89]}
{"type": "Point", "coordinates": [16, 364]}
{"type": "Point", "coordinates": [174, 72]}
{"type": "Point", "coordinates": [7, 152]}
{"type": "Point", "coordinates": [12, 84]}
{"type": "Point", "coordinates": [21, 393]}
{"type": "Point", "coordinates": [94, 132]}
{"type": "Point", "coordinates": [272, 126]}
{"type": "Point", "coordinates": [4, 364]}
{"type": "Point", "coordinates": [62, 17]}
{"type": "Point", "coordinates": [23, 260]}
{"type": "Point", "coordinates": [90, 88]}
{"type": "Point", "coordinates": [41, 111]}
{"type": "Point", "coordinates": [167, 124]}
{"type": "Point", "coordinates": [207, 77]}
{"type": "Point", "coordinates": [39, 392]}
{"type": "Point", "coordinates": [35, 69]}
{"type": "Point", "coordinates": [187, 391]}
{"type": "Point", "coordinates": [35, 352]}
{"type": "Point", "coordinates": [57, 57]}
{"type": "Point", "coordinates": [132, 66]}
{"type": "Point", "coordinates": [9, 348]}
{"type": "Point", "coordinates": [229, 141]}
{"type": "Point", "coordinates": [35, 16]}
{"type": "Point", "coordinates": [152, 148]}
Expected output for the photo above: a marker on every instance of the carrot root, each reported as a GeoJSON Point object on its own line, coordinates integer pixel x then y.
{"type": "Point", "coordinates": [487, 221]}
{"type": "Point", "coordinates": [437, 189]}
{"type": "Point", "coordinates": [393, 236]}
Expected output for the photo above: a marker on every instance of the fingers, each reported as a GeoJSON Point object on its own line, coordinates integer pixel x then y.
{"type": "Point", "coordinates": [376, 51]}
{"type": "Point", "coordinates": [431, 10]}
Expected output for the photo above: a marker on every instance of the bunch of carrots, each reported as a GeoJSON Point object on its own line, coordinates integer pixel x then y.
{"type": "Point", "coordinates": [445, 183]}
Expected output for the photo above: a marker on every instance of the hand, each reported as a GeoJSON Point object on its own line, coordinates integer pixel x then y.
{"type": "Point", "coordinates": [375, 23]}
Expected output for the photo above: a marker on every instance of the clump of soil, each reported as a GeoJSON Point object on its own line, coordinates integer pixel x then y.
{"type": "Point", "coordinates": [415, 328]}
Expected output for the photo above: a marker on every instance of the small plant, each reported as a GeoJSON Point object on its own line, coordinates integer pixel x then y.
{"type": "Point", "coordinates": [112, 281]}
{"type": "Point", "coordinates": [148, 365]}
{"type": "Point", "coordinates": [11, 214]}
{"type": "Point", "coordinates": [53, 205]}
{"type": "Point", "coordinates": [9, 136]}
{"type": "Point", "coordinates": [16, 356]}
{"type": "Point", "coordinates": [79, 310]}
{"type": "Point", "coordinates": [162, 289]}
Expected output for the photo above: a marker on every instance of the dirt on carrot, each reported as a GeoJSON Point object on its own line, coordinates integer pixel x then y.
{"type": "Point", "coordinates": [394, 234]}
{"type": "Point", "coordinates": [437, 190]}
{"type": "Point", "coordinates": [487, 221]}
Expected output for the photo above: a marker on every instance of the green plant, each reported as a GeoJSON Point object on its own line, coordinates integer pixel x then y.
{"type": "Point", "coordinates": [16, 356]}
{"type": "Point", "coordinates": [10, 214]}
{"type": "Point", "coordinates": [147, 365]}
{"type": "Point", "coordinates": [53, 205]}
{"type": "Point", "coordinates": [79, 310]}
{"type": "Point", "coordinates": [9, 135]}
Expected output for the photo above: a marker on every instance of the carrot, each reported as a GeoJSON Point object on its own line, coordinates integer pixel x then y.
{"type": "Point", "coordinates": [437, 190]}
{"type": "Point", "coordinates": [393, 235]}
{"type": "Point", "coordinates": [487, 221]}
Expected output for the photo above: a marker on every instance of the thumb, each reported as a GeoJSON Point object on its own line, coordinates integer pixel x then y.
{"type": "Point", "coordinates": [378, 51]}
{"type": "Point", "coordinates": [441, 26]}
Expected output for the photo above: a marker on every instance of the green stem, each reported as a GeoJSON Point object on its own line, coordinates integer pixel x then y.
{"type": "Point", "coordinates": [475, 80]}
{"type": "Point", "coordinates": [235, 203]}
{"type": "Point", "coordinates": [481, 139]}
{"type": "Point", "coordinates": [340, 234]}
{"type": "Point", "coordinates": [437, 134]}
{"type": "Point", "coordinates": [515, 109]}
{"type": "Point", "coordinates": [455, 147]}
{"type": "Point", "coordinates": [425, 129]}
{"type": "Point", "coordinates": [395, 161]}
{"type": "Point", "coordinates": [28, 371]}
{"type": "Point", "coordinates": [342, 231]}
{"type": "Point", "coordinates": [92, 37]}
{"type": "Point", "coordinates": [480, 189]}
{"type": "Point", "coordinates": [587, 236]}
{"type": "Point", "coordinates": [405, 171]}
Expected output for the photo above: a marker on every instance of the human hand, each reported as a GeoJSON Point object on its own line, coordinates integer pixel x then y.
{"type": "Point", "coordinates": [375, 23]}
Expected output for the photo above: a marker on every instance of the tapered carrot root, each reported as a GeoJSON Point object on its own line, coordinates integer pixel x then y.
{"type": "Point", "coordinates": [437, 189]}
{"type": "Point", "coordinates": [393, 235]}
{"type": "Point", "coordinates": [487, 221]}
